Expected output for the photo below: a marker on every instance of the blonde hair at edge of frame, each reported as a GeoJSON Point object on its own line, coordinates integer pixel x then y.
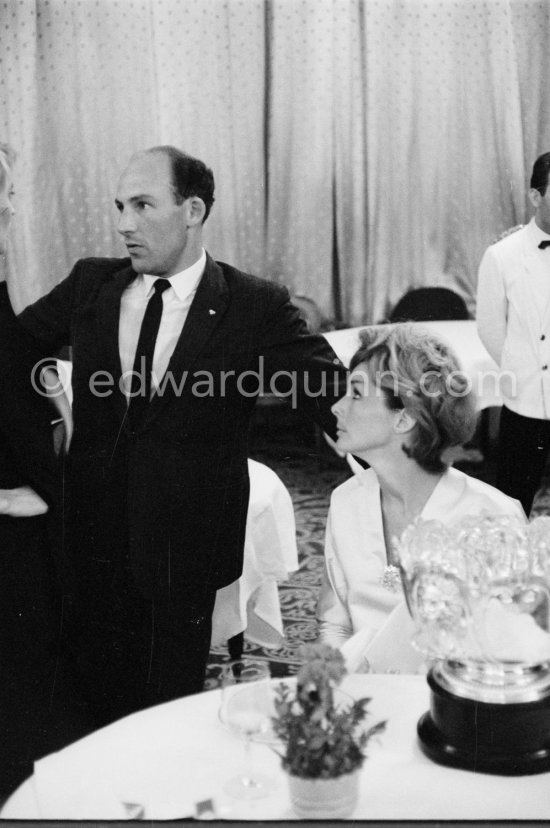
{"type": "Point", "coordinates": [417, 371]}
{"type": "Point", "coordinates": [7, 158]}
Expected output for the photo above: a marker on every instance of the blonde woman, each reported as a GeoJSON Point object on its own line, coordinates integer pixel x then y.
{"type": "Point", "coordinates": [407, 403]}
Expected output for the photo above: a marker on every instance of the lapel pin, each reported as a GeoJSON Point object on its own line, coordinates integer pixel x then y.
{"type": "Point", "coordinates": [212, 312]}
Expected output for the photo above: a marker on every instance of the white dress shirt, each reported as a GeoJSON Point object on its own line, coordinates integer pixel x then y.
{"type": "Point", "coordinates": [513, 318]}
{"type": "Point", "coordinates": [176, 303]}
{"type": "Point", "coordinates": [358, 613]}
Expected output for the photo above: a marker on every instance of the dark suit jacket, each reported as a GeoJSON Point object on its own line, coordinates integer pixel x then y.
{"type": "Point", "coordinates": [29, 626]}
{"type": "Point", "coordinates": [26, 445]}
{"type": "Point", "coordinates": [27, 458]}
{"type": "Point", "coordinates": [29, 549]}
{"type": "Point", "coordinates": [174, 488]}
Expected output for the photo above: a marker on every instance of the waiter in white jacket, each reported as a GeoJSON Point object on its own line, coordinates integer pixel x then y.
{"type": "Point", "coordinates": [513, 318]}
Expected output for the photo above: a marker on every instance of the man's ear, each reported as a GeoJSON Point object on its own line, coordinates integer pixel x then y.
{"type": "Point", "coordinates": [195, 210]}
{"type": "Point", "coordinates": [534, 197]}
{"type": "Point", "coordinates": [404, 422]}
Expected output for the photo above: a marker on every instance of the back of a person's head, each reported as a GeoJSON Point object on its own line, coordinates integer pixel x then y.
{"type": "Point", "coordinates": [190, 176]}
{"type": "Point", "coordinates": [419, 372]}
{"type": "Point", "coordinates": [539, 176]}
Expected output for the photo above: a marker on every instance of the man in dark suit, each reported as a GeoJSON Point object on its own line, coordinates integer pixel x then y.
{"type": "Point", "coordinates": [38, 713]}
{"type": "Point", "coordinates": [156, 480]}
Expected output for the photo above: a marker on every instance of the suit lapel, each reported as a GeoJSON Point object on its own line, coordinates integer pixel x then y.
{"type": "Point", "coordinates": [108, 318]}
{"type": "Point", "coordinates": [205, 313]}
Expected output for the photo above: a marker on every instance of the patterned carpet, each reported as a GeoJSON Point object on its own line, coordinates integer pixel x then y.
{"type": "Point", "coordinates": [310, 481]}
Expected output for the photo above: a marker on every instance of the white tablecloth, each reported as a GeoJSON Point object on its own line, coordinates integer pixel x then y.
{"type": "Point", "coordinates": [168, 758]}
{"type": "Point", "coordinates": [251, 604]}
{"type": "Point", "coordinates": [463, 338]}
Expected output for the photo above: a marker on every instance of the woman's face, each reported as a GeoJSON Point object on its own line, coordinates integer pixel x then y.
{"type": "Point", "coordinates": [365, 422]}
{"type": "Point", "coordinates": [7, 210]}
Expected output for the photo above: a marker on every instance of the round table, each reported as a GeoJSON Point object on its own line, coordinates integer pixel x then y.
{"type": "Point", "coordinates": [163, 761]}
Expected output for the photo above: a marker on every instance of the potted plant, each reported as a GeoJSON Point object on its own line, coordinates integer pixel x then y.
{"type": "Point", "coordinates": [324, 740]}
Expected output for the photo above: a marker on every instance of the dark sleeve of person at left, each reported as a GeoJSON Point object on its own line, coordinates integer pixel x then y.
{"type": "Point", "coordinates": [26, 449]}
{"type": "Point", "coordinates": [299, 366]}
{"type": "Point", "coordinates": [48, 320]}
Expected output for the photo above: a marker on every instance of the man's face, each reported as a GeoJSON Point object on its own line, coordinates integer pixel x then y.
{"type": "Point", "coordinates": [543, 211]}
{"type": "Point", "coordinates": [541, 204]}
{"type": "Point", "coordinates": [152, 225]}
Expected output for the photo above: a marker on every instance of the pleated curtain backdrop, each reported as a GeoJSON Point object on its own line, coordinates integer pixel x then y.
{"type": "Point", "coordinates": [360, 147]}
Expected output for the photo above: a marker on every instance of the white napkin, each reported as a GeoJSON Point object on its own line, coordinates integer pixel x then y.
{"type": "Point", "coordinates": [390, 649]}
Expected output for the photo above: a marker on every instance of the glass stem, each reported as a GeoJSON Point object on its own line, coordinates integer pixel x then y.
{"type": "Point", "coordinates": [248, 780]}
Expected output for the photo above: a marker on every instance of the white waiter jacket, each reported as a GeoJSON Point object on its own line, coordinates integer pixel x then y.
{"type": "Point", "coordinates": [513, 318]}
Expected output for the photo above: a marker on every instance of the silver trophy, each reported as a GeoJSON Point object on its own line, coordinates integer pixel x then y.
{"type": "Point", "coordinates": [479, 595]}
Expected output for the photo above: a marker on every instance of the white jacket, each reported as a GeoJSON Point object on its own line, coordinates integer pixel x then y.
{"type": "Point", "coordinates": [356, 612]}
{"type": "Point", "coordinates": [513, 318]}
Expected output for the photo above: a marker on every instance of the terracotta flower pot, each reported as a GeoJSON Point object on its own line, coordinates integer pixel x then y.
{"type": "Point", "coordinates": [324, 798]}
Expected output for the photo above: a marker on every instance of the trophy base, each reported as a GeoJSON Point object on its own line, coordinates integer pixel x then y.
{"type": "Point", "coordinates": [508, 739]}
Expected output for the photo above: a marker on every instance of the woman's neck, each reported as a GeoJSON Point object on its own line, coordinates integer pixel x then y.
{"type": "Point", "coordinates": [408, 489]}
{"type": "Point", "coordinates": [405, 488]}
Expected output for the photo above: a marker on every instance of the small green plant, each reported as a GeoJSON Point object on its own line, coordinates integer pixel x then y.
{"type": "Point", "coordinates": [322, 738]}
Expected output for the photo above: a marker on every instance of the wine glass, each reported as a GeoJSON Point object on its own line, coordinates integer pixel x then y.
{"type": "Point", "coordinates": [241, 671]}
{"type": "Point", "coordinates": [247, 707]}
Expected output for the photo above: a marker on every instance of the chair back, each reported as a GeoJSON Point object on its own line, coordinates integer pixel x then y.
{"type": "Point", "coordinates": [428, 304]}
{"type": "Point", "coordinates": [54, 383]}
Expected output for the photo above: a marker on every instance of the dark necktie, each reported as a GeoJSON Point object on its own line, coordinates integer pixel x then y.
{"type": "Point", "coordinates": [143, 362]}
{"type": "Point", "coordinates": [544, 244]}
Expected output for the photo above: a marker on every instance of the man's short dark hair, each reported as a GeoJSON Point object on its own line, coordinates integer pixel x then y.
{"type": "Point", "coordinates": [190, 177]}
{"type": "Point", "coordinates": [539, 177]}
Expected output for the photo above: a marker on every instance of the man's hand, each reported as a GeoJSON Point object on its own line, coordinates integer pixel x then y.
{"type": "Point", "coordinates": [21, 502]}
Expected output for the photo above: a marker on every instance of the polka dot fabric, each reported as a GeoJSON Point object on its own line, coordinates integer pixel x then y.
{"type": "Point", "coordinates": [88, 66]}
{"type": "Point", "coordinates": [210, 69]}
{"type": "Point", "coordinates": [359, 146]}
{"type": "Point", "coordinates": [301, 147]}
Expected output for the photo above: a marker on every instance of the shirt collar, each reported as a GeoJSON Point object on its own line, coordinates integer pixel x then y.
{"type": "Point", "coordinates": [183, 283]}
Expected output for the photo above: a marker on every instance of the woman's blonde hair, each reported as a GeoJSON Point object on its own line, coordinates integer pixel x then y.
{"type": "Point", "coordinates": [7, 158]}
{"type": "Point", "coordinates": [418, 372]}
